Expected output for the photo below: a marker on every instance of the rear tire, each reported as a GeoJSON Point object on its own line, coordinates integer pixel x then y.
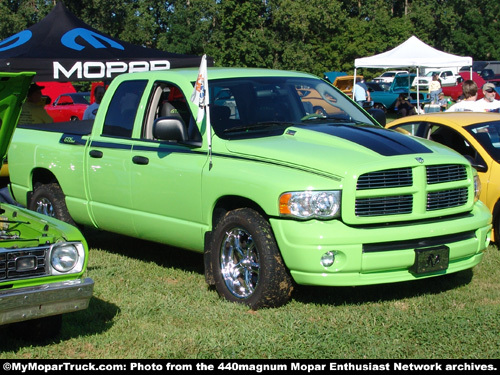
{"type": "Point", "coordinates": [246, 262]}
{"type": "Point", "coordinates": [48, 199]}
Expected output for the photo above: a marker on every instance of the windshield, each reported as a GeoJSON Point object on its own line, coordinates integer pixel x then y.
{"type": "Point", "coordinates": [488, 135]}
{"type": "Point", "coordinates": [262, 106]}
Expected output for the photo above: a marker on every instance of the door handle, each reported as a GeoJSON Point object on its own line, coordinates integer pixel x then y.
{"type": "Point", "coordinates": [95, 154]}
{"type": "Point", "coordinates": [141, 160]}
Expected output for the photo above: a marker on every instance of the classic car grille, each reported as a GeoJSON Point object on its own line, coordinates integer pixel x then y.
{"type": "Point", "coordinates": [21, 263]}
{"type": "Point", "coordinates": [392, 192]}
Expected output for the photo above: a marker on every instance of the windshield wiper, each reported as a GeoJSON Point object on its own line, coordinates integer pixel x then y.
{"type": "Point", "coordinates": [328, 118]}
{"type": "Point", "coordinates": [259, 125]}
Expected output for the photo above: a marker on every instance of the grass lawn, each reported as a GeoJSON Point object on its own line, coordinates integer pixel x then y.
{"type": "Point", "coordinates": [151, 301]}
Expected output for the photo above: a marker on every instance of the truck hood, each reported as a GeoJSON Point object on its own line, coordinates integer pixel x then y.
{"type": "Point", "coordinates": [318, 146]}
{"type": "Point", "coordinates": [13, 90]}
{"type": "Point", "coordinates": [402, 82]}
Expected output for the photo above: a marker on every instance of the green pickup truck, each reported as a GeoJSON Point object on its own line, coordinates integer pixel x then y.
{"type": "Point", "coordinates": [42, 259]}
{"type": "Point", "coordinates": [284, 180]}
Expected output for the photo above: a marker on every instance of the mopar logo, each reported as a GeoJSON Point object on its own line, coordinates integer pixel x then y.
{"type": "Point", "coordinates": [99, 69]}
{"type": "Point", "coordinates": [68, 140]}
{"type": "Point", "coordinates": [68, 39]}
{"type": "Point", "coordinates": [92, 38]}
{"type": "Point", "coordinates": [15, 40]}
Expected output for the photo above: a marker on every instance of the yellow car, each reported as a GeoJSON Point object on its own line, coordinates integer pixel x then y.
{"type": "Point", "coordinates": [475, 135]}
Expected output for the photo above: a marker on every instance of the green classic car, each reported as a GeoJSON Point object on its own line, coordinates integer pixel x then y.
{"type": "Point", "coordinates": [42, 259]}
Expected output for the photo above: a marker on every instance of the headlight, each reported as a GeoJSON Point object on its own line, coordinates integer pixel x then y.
{"type": "Point", "coordinates": [67, 257]}
{"type": "Point", "coordinates": [310, 204]}
{"type": "Point", "coordinates": [477, 185]}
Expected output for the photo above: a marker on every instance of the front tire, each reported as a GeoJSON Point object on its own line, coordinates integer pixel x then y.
{"type": "Point", "coordinates": [48, 199]}
{"type": "Point", "coordinates": [246, 262]}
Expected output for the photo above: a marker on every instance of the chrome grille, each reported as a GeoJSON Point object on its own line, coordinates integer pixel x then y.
{"type": "Point", "coordinates": [400, 204]}
{"type": "Point", "coordinates": [444, 199]}
{"type": "Point", "coordinates": [445, 173]}
{"type": "Point", "coordinates": [22, 263]}
{"type": "Point", "coordinates": [403, 191]}
{"type": "Point", "coordinates": [387, 178]}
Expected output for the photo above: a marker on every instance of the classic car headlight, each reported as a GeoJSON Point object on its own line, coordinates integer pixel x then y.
{"type": "Point", "coordinates": [477, 185]}
{"type": "Point", "coordinates": [67, 257]}
{"type": "Point", "coordinates": [310, 204]}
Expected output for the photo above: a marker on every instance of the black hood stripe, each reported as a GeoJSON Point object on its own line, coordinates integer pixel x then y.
{"type": "Point", "coordinates": [382, 141]}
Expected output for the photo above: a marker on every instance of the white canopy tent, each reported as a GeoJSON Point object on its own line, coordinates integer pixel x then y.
{"type": "Point", "coordinates": [412, 53]}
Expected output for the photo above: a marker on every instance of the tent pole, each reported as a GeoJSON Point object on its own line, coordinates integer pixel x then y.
{"type": "Point", "coordinates": [418, 93]}
{"type": "Point", "coordinates": [354, 86]}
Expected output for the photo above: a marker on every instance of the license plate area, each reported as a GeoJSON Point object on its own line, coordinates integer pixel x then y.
{"type": "Point", "coordinates": [431, 259]}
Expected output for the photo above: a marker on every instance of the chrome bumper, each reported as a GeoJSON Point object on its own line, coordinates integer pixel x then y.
{"type": "Point", "coordinates": [35, 302]}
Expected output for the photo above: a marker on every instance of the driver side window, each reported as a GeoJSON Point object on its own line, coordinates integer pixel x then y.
{"type": "Point", "coordinates": [167, 100]}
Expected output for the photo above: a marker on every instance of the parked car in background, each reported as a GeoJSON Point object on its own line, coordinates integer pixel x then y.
{"type": "Point", "coordinates": [455, 91]}
{"type": "Point", "coordinates": [69, 106]}
{"type": "Point", "coordinates": [381, 95]}
{"type": "Point", "coordinates": [476, 136]}
{"type": "Point", "coordinates": [447, 78]}
{"type": "Point", "coordinates": [384, 95]}
{"type": "Point", "coordinates": [388, 76]}
{"type": "Point", "coordinates": [345, 84]}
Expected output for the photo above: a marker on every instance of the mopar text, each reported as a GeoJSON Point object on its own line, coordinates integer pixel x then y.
{"type": "Point", "coordinates": [99, 69]}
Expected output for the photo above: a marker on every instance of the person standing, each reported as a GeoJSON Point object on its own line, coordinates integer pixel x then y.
{"type": "Point", "coordinates": [33, 111]}
{"type": "Point", "coordinates": [91, 110]}
{"type": "Point", "coordinates": [435, 89]}
{"type": "Point", "coordinates": [361, 93]}
{"type": "Point", "coordinates": [469, 90]}
{"type": "Point", "coordinates": [488, 103]}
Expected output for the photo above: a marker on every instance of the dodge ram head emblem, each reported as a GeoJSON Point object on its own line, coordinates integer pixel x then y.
{"type": "Point", "coordinates": [420, 160]}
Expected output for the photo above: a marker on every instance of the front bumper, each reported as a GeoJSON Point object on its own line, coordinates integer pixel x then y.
{"type": "Point", "coordinates": [368, 255]}
{"type": "Point", "coordinates": [35, 302]}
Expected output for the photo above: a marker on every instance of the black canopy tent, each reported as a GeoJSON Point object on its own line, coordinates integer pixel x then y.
{"type": "Point", "coordinates": [61, 47]}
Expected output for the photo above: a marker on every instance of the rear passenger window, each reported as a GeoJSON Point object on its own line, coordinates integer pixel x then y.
{"type": "Point", "coordinates": [120, 117]}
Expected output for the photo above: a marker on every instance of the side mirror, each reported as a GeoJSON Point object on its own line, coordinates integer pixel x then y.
{"type": "Point", "coordinates": [169, 129]}
{"type": "Point", "coordinates": [379, 115]}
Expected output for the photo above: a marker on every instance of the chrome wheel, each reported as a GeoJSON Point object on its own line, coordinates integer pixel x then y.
{"type": "Point", "coordinates": [44, 206]}
{"type": "Point", "coordinates": [48, 199]}
{"type": "Point", "coordinates": [239, 262]}
{"type": "Point", "coordinates": [244, 263]}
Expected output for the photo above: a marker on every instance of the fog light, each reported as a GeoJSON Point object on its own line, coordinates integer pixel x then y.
{"type": "Point", "coordinates": [328, 259]}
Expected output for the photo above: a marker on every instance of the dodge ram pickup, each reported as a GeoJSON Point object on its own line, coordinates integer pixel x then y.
{"type": "Point", "coordinates": [270, 191]}
{"type": "Point", "coordinates": [42, 259]}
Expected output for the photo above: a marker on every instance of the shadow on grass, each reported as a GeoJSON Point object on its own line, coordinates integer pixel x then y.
{"type": "Point", "coordinates": [166, 256]}
{"type": "Point", "coordinates": [381, 292]}
{"type": "Point", "coordinates": [97, 319]}
{"type": "Point", "coordinates": [147, 251]}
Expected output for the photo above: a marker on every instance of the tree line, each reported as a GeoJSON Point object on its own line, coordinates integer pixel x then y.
{"type": "Point", "coordinates": [313, 35]}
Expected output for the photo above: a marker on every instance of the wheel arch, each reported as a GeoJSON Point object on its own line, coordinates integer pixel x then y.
{"type": "Point", "coordinates": [222, 206]}
{"type": "Point", "coordinates": [40, 176]}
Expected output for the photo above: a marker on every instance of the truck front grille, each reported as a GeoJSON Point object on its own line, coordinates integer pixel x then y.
{"type": "Point", "coordinates": [403, 191]}
{"type": "Point", "coordinates": [22, 263]}
{"type": "Point", "coordinates": [445, 173]}
{"type": "Point", "coordinates": [447, 198]}
{"type": "Point", "coordinates": [387, 178]}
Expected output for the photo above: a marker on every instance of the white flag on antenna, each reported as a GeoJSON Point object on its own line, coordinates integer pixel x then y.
{"type": "Point", "coordinates": [200, 92]}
